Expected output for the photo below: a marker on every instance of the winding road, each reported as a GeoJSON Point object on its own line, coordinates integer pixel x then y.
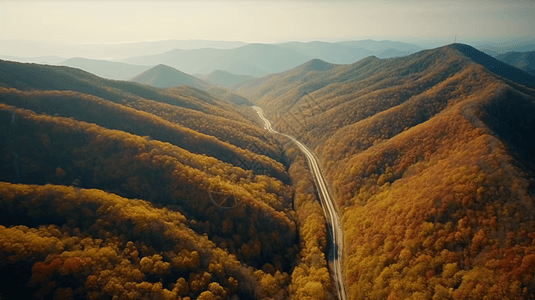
{"type": "Point", "coordinates": [327, 204]}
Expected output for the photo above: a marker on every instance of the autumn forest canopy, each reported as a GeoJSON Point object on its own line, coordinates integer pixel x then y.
{"type": "Point", "coordinates": [149, 189]}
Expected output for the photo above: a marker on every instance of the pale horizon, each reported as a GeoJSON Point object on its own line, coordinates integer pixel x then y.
{"type": "Point", "coordinates": [128, 21]}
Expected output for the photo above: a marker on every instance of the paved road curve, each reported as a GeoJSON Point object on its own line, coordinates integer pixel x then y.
{"type": "Point", "coordinates": [327, 204]}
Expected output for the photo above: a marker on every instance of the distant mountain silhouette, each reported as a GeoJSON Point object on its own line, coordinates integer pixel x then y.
{"type": "Point", "coordinates": [261, 59]}
{"type": "Point", "coordinates": [104, 68]}
{"type": "Point", "coordinates": [496, 66]}
{"type": "Point", "coordinates": [526, 48]}
{"type": "Point", "coordinates": [380, 46]}
{"type": "Point", "coordinates": [515, 45]}
{"type": "Point", "coordinates": [50, 60]}
{"type": "Point", "coordinates": [522, 60]}
{"type": "Point", "coordinates": [224, 78]}
{"type": "Point", "coordinates": [388, 53]}
{"type": "Point", "coordinates": [243, 68]}
{"type": "Point", "coordinates": [25, 48]}
{"type": "Point", "coordinates": [164, 76]}
{"type": "Point", "coordinates": [252, 59]}
{"type": "Point", "coordinates": [331, 52]}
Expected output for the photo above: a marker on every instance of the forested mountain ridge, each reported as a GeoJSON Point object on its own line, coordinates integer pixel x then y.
{"type": "Point", "coordinates": [117, 189]}
{"type": "Point", "coordinates": [496, 66]}
{"type": "Point", "coordinates": [186, 106]}
{"type": "Point", "coordinates": [43, 77]}
{"type": "Point", "coordinates": [278, 84]}
{"type": "Point", "coordinates": [431, 160]}
{"type": "Point", "coordinates": [350, 92]}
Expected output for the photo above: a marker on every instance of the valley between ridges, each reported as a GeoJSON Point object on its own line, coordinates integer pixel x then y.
{"type": "Point", "coordinates": [327, 205]}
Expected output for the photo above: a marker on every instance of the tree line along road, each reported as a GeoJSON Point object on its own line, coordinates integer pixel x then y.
{"type": "Point", "coordinates": [327, 205]}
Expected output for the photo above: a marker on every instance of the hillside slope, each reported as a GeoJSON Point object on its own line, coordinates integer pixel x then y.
{"type": "Point", "coordinates": [186, 106]}
{"type": "Point", "coordinates": [352, 92]}
{"type": "Point", "coordinates": [431, 160]}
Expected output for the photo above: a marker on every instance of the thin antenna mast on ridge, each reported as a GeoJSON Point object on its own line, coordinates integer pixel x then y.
{"type": "Point", "coordinates": [455, 40]}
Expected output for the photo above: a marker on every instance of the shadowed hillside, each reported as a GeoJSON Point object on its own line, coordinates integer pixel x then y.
{"type": "Point", "coordinates": [114, 116]}
{"type": "Point", "coordinates": [497, 66]}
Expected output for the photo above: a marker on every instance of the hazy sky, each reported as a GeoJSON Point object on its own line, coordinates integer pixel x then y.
{"type": "Point", "coordinates": [262, 21]}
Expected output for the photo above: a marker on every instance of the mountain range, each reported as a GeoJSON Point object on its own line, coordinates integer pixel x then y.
{"type": "Point", "coordinates": [24, 48]}
{"type": "Point", "coordinates": [515, 45]}
{"type": "Point", "coordinates": [260, 59]}
{"type": "Point", "coordinates": [156, 189]}
{"type": "Point", "coordinates": [104, 68]}
{"type": "Point", "coordinates": [522, 60]}
{"type": "Point", "coordinates": [343, 52]}
{"type": "Point", "coordinates": [428, 155]}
